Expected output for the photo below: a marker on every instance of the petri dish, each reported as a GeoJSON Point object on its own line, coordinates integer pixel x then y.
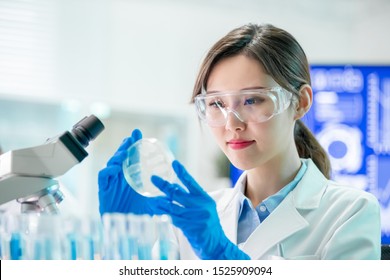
{"type": "Point", "coordinates": [147, 157]}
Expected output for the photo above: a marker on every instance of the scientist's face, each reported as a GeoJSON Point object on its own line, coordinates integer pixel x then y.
{"type": "Point", "coordinates": [249, 145]}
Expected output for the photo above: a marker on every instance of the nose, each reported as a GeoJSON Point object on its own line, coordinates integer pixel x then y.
{"type": "Point", "coordinates": [234, 122]}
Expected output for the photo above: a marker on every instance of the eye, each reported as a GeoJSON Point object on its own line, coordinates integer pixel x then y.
{"type": "Point", "coordinates": [216, 103]}
{"type": "Point", "coordinates": [253, 100]}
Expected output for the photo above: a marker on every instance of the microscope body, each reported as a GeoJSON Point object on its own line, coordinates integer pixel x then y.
{"type": "Point", "coordinates": [27, 175]}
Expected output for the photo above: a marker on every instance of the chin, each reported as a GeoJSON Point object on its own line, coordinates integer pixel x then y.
{"type": "Point", "coordinates": [241, 164]}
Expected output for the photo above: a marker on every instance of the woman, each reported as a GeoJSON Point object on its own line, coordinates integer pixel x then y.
{"type": "Point", "coordinates": [252, 89]}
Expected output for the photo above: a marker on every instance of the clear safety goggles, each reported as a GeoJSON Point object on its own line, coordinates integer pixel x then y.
{"type": "Point", "coordinates": [252, 105]}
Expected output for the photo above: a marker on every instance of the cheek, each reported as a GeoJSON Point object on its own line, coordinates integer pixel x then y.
{"type": "Point", "coordinates": [273, 134]}
{"type": "Point", "coordinates": [264, 131]}
{"type": "Point", "coordinates": [281, 132]}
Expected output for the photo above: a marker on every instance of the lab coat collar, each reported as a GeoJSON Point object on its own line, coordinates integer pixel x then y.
{"type": "Point", "coordinates": [228, 208]}
{"type": "Point", "coordinates": [310, 197]}
{"type": "Point", "coordinates": [284, 221]}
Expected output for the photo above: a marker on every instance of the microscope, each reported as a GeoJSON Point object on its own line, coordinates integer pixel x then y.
{"type": "Point", "coordinates": [27, 175]}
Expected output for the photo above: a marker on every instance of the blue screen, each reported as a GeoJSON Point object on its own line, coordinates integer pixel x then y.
{"type": "Point", "coordinates": [350, 117]}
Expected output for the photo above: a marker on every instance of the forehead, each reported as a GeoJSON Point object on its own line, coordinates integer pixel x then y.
{"type": "Point", "coordinates": [237, 73]}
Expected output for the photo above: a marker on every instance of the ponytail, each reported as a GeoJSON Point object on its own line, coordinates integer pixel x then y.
{"type": "Point", "coordinates": [308, 147]}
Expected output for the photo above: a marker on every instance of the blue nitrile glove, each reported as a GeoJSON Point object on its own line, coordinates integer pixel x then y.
{"type": "Point", "coordinates": [115, 194]}
{"type": "Point", "coordinates": [195, 213]}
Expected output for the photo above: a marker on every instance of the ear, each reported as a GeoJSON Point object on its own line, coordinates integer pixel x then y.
{"type": "Point", "coordinates": [305, 101]}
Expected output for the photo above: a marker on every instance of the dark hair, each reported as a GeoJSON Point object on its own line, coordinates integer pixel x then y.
{"type": "Point", "coordinates": [284, 60]}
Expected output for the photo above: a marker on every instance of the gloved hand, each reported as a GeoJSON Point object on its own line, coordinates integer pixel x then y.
{"type": "Point", "coordinates": [115, 194]}
{"type": "Point", "coordinates": [194, 212]}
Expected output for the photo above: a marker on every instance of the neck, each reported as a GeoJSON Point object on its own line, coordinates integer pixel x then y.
{"type": "Point", "coordinates": [270, 177]}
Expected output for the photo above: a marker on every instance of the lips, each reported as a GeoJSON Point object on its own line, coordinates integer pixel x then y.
{"type": "Point", "coordinates": [239, 144]}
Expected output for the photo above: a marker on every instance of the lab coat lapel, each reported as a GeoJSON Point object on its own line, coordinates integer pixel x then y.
{"type": "Point", "coordinates": [283, 222]}
{"type": "Point", "coordinates": [228, 207]}
{"type": "Point", "coordinates": [228, 214]}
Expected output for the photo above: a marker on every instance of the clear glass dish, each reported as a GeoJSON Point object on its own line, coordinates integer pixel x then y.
{"type": "Point", "coordinates": [147, 157]}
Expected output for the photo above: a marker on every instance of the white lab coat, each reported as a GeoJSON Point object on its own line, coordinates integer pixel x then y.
{"type": "Point", "coordinates": [319, 219]}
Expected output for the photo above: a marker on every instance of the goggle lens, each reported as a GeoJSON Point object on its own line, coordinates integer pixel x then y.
{"type": "Point", "coordinates": [248, 106]}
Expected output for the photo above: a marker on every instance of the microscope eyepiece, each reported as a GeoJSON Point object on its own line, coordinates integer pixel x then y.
{"type": "Point", "coordinates": [87, 129]}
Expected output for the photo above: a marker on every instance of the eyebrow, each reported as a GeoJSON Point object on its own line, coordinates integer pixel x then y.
{"type": "Point", "coordinates": [247, 88]}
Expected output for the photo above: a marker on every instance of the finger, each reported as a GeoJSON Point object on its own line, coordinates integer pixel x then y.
{"type": "Point", "coordinates": [136, 134]}
{"type": "Point", "coordinates": [192, 186]}
{"type": "Point", "coordinates": [127, 142]}
{"type": "Point", "coordinates": [173, 191]}
{"type": "Point", "coordinates": [121, 154]}
{"type": "Point", "coordinates": [193, 212]}
{"type": "Point", "coordinates": [117, 158]}
{"type": "Point", "coordinates": [187, 209]}
{"type": "Point", "coordinates": [169, 207]}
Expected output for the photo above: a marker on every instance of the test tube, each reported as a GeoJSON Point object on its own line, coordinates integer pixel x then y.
{"type": "Point", "coordinates": [31, 236]}
{"type": "Point", "coordinates": [115, 237]}
{"type": "Point", "coordinates": [142, 230]}
{"type": "Point", "coordinates": [44, 237]}
{"type": "Point", "coordinates": [133, 233]}
{"type": "Point", "coordinates": [4, 237]}
{"type": "Point", "coordinates": [85, 238]}
{"type": "Point", "coordinates": [138, 237]}
{"type": "Point", "coordinates": [167, 249]}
